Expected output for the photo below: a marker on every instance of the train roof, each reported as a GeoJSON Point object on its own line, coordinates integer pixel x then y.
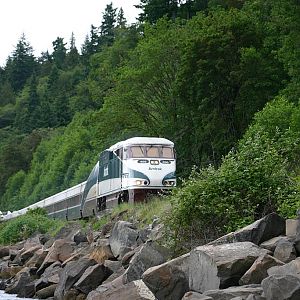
{"type": "Point", "coordinates": [141, 140]}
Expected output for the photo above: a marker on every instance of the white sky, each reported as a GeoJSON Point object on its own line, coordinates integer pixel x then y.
{"type": "Point", "coordinates": [43, 21]}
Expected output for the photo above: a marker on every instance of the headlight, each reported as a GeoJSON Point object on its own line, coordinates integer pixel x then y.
{"type": "Point", "coordinates": [169, 183]}
{"type": "Point", "coordinates": [141, 182]}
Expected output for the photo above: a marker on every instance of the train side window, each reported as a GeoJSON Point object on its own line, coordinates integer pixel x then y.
{"type": "Point", "coordinates": [119, 153]}
{"type": "Point", "coordinates": [137, 151]}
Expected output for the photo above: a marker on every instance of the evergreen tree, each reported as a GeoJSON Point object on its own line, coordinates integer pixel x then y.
{"type": "Point", "coordinates": [72, 58]}
{"type": "Point", "coordinates": [59, 53]}
{"type": "Point", "coordinates": [21, 65]}
{"type": "Point", "coordinates": [121, 20]}
{"type": "Point", "coordinates": [90, 45]}
{"type": "Point", "coordinates": [107, 27]}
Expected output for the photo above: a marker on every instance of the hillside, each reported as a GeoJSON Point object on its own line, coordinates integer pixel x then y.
{"type": "Point", "coordinates": [197, 73]}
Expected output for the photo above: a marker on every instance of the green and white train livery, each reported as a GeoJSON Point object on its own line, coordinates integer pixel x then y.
{"type": "Point", "coordinates": [126, 172]}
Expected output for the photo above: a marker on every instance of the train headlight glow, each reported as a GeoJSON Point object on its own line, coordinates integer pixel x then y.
{"type": "Point", "coordinates": [139, 182]}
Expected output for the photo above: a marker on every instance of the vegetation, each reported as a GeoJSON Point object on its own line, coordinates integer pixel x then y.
{"type": "Point", "coordinates": [218, 77]}
{"type": "Point", "coordinates": [34, 221]}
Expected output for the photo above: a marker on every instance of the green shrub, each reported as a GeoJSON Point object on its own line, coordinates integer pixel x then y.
{"type": "Point", "coordinates": [255, 179]}
{"type": "Point", "coordinates": [21, 228]}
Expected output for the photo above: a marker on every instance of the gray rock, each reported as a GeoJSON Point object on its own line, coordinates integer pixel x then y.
{"type": "Point", "coordinates": [291, 268]}
{"type": "Point", "coordinates": [149, 255]}
{"type": "Point", "coordinates": [169, 280]}
{"type": "Point", "coordinates": [113, 265]}
{"type": "Point", "coordinates": [79, 237]}
{"type": "Point", "coordinates": [4, 251]}
{"type": "Point", "coordinates": [281, 287]}
{"type": "Point", "coordinates": [258, 270]}
{"type": "Point", "coordinates": [70, 274]}
{"type": "Point", "coordinates": [46, 292]}
{"type": "Point", "coordinates": [20, 281]}
{"type": "Point", "coordinates": [123, 238]}
{"type": "Point", "coordinates": [49, 277]}
{"type": "Point", "coordinates": [232, 260]}
{"type": "Point", "coordinates": [285, 251]}
{"type": "Point", "coordinates": [135, 290]}
{"type": "Point", "coordinates": [272, 243]}
{"type": "Point", "coordinates": [262, 230]}
{"type": "Point", "coordinates": [195, 296]}
{"type": "Point", "coordinates": [92, 277]}
{"type": "Point", "coordinates": [232, 292]}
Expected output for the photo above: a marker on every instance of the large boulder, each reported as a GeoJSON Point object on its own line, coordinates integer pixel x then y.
{"type": "Point", "coordinates": [61, 250]}
{"type": "Point", "coordinates": [291, 268]}
{"type": "Point", "coordinates": [169, 280]}
{"type": "Point", "coordinates": [281, 287]}
{"type": "Point", "coordinates": [92, 277]}
{"type": "Point", "coordinates": [20, 284]}
{"type": "Point", "coordinates": [237, 291]}
{"type": "Point", "coordinates": [149, 255]}
{"type": "Point", "coordinates": [135, 290]}
{"type": "Point", "coordinates": [204, 268]}
{"type": "Point", "coordinates": [70, 274]}
{"type": "Point", "coordinates": [102, 251]}
{"type": "Point", "coordinates": [273, 242]}
{"type": "Point", "coordinates": [285, 251]}
{"type": "Point", "coordinates": [258, 270]}
{"type": "Point", "coordinates": [232, 260]}
{"type": "Point", "coordinates": [46, 292]}
{"type": "Point", "coordinates": [37, 259]}
{"type": "Point", "coordinates": [123, 238]}
{"type": "Point", "coordinates": [261, 230]}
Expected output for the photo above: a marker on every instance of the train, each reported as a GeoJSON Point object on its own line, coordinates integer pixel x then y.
{"type": "Point", "coordinates": [128, 171]}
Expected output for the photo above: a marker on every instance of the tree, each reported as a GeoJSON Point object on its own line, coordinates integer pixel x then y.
{"type": "Point", "coordinates": [107, 27]}
{"type": "Point", "coordinates": [21, 65]}
{"type": "Point", "coordinates": [59, 52]}
{"type": "Point", "coordinates": [91, 44]}
{"type": "Point", "coordinates": [72, 58]}
{"type": "Point", "coordinates": [121, 20]}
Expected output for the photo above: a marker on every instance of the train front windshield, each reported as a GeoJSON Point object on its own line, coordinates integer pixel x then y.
{"type": "Point", "coordinates": [150, 151]}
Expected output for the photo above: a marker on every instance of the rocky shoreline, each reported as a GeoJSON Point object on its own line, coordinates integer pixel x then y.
{"type": "Point", "coordinates": [260, 261]}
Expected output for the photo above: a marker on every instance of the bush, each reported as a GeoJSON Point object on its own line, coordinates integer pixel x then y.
{"type": "Point", "coordinates": [21, 228]}
{"type": "Point", "coordinates": [256, 179]}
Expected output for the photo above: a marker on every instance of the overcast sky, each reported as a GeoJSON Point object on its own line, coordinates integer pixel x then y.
{"type": "Point", "coordinates": [43, 21]}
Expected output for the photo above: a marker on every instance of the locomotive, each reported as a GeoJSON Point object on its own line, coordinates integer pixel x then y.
{"type": "Point", "coordinates": [128, 171]}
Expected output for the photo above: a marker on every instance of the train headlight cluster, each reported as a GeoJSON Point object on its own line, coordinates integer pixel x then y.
{"type": "Point", "coordinates": [141, 182]}
{"type": "Point", "coordinates": [169, 182]}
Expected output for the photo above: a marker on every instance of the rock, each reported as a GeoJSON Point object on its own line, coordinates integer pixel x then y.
{"type": "Point", "coordinates": [195, 296]}
{"type": "Point", "coordinates": [70, 274]}
{"type": "Point", "coordinates": [272, 243]}
{"type": "Point", "coordinates": [4, 251]}
{"type": "Point", "coordinates": [258, 270]}
{"type": "Point", "coordinates": [232, 292]}
{"type": "Point", "coordinates": [291, 227]}
{"type": "Point", "coordinates": [297, 243]}
{"type": "Point", "coordinates": [135, 290]}
{"type": "Point", "coordinates": [128, 256]}
{"type": "Point", "coordinates": [285, 251]}
{"type": "Point", "coordinates": [291, 268]}
{"type": "Point", "coordinates": [232, 260]}
{"type": "Point", "coordinates": [169, 280]}
{"type": "Point", "coordinates": [92, 277]}
{"type": "Point", "coordinates": [80, 237]}
{"type": "Point", "coordinates": [281, 287]}
{"type": "Point", "coordinates": [46, 292]}
{"type": "Point", "coordinates": [61, 250]}
{"type": "Point", "coordinates": [49, 277]}
{"type": "Point", "coordinates": [102, 252]}
{"type": "Point", "coordinates": [114, 266]}
{"type": "Point", "coordinates": [9, 271]}
{"type": "Point", "coordinates": [20, 281]}
{"type": "Point", "coordinates": [37, 259]}
{"type": "Point", "coordinates": [261, 230]}
{"type": "Point", "coordinates": [123, 238]}
{"type": "Point", "coordinates": [149, 255]}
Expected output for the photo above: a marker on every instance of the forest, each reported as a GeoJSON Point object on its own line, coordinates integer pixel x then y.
{"type": "Point", "coordinates": [220, 78]}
